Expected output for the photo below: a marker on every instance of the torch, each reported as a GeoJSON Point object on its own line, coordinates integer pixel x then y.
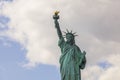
{"type": "Point", "coordinates": [56, 16]}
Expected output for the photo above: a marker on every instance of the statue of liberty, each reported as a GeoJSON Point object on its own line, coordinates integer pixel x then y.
{"type": "Point", "coordinates": [71, 59]}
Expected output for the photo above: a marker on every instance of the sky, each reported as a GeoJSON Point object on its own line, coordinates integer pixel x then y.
{"type": "Point", "coordinates": [29, 42]}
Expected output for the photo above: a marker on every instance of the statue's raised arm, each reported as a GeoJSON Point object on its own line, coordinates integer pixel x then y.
{"type": "Point", "coordinates": [56, 17]}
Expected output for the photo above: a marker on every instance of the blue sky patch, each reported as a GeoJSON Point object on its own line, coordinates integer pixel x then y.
{"type": "Point", "coordinates": [3, 22]}
{"type": "Point", "coordinates": [104, 64]}
{"type": "Point", "coordinates": [6, 0]}
{"type": "Point", "coordinates": [4, 19]}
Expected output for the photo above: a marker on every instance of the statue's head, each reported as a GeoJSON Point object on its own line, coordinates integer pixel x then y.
{"type": "Point", "coordinates": [70, 37]}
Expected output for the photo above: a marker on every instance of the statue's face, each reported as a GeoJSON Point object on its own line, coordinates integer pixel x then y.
{"type": "Point", "coordinates": [69, 37]}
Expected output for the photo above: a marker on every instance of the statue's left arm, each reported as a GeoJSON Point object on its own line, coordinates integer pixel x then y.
{"type": "Point", "coordinates": [81, 58]}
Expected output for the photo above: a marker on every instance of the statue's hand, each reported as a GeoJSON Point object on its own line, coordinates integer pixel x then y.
{"type": "Point", "coordinates": [84, 52]}
{"type": "Point", "coordinates": [56, 16]}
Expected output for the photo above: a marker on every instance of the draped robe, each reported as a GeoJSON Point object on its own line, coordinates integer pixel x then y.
{"type": "Point", "coordinates": [71, 61]}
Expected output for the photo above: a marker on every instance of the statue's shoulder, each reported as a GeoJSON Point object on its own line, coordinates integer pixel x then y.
{"type": "Point", "coordinates": [77, 48]}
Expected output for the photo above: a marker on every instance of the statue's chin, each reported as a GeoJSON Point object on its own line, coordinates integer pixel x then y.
{"type": "Point", "coordinates": [69, 42]}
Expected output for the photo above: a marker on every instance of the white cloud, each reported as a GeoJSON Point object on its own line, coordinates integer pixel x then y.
{"type": "Point", "coordinates": [114, 71]}
{"type": "Point", "coordinates": [30, 28]}
{"type": "Point", "coordinates": [96, 22]}
{"type": "Point", "coordinates": [92, 73]}
{"type": "Point", "coordinates": [95, 72]}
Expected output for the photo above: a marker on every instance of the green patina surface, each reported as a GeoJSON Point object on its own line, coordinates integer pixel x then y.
{"type": "Point", "coordinates": [71, 59]}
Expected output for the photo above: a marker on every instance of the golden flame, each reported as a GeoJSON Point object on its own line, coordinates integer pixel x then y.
{"type": "Point", "coordinates": [56, 12]}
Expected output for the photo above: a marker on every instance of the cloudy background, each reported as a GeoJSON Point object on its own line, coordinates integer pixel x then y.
{"type": "Point", "coordinates": [29, 40]}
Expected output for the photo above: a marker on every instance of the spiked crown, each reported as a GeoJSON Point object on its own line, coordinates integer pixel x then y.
{"type": "Point", "coordinates": [70, 32]}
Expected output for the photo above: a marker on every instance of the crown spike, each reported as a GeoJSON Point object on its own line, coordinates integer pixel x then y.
{"type": "Point", "coordinates": [67, 31]}
{"type": "Point", "coordinates": [74, 33]}
{"type": "Point", "coordinates": [64, 32]}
